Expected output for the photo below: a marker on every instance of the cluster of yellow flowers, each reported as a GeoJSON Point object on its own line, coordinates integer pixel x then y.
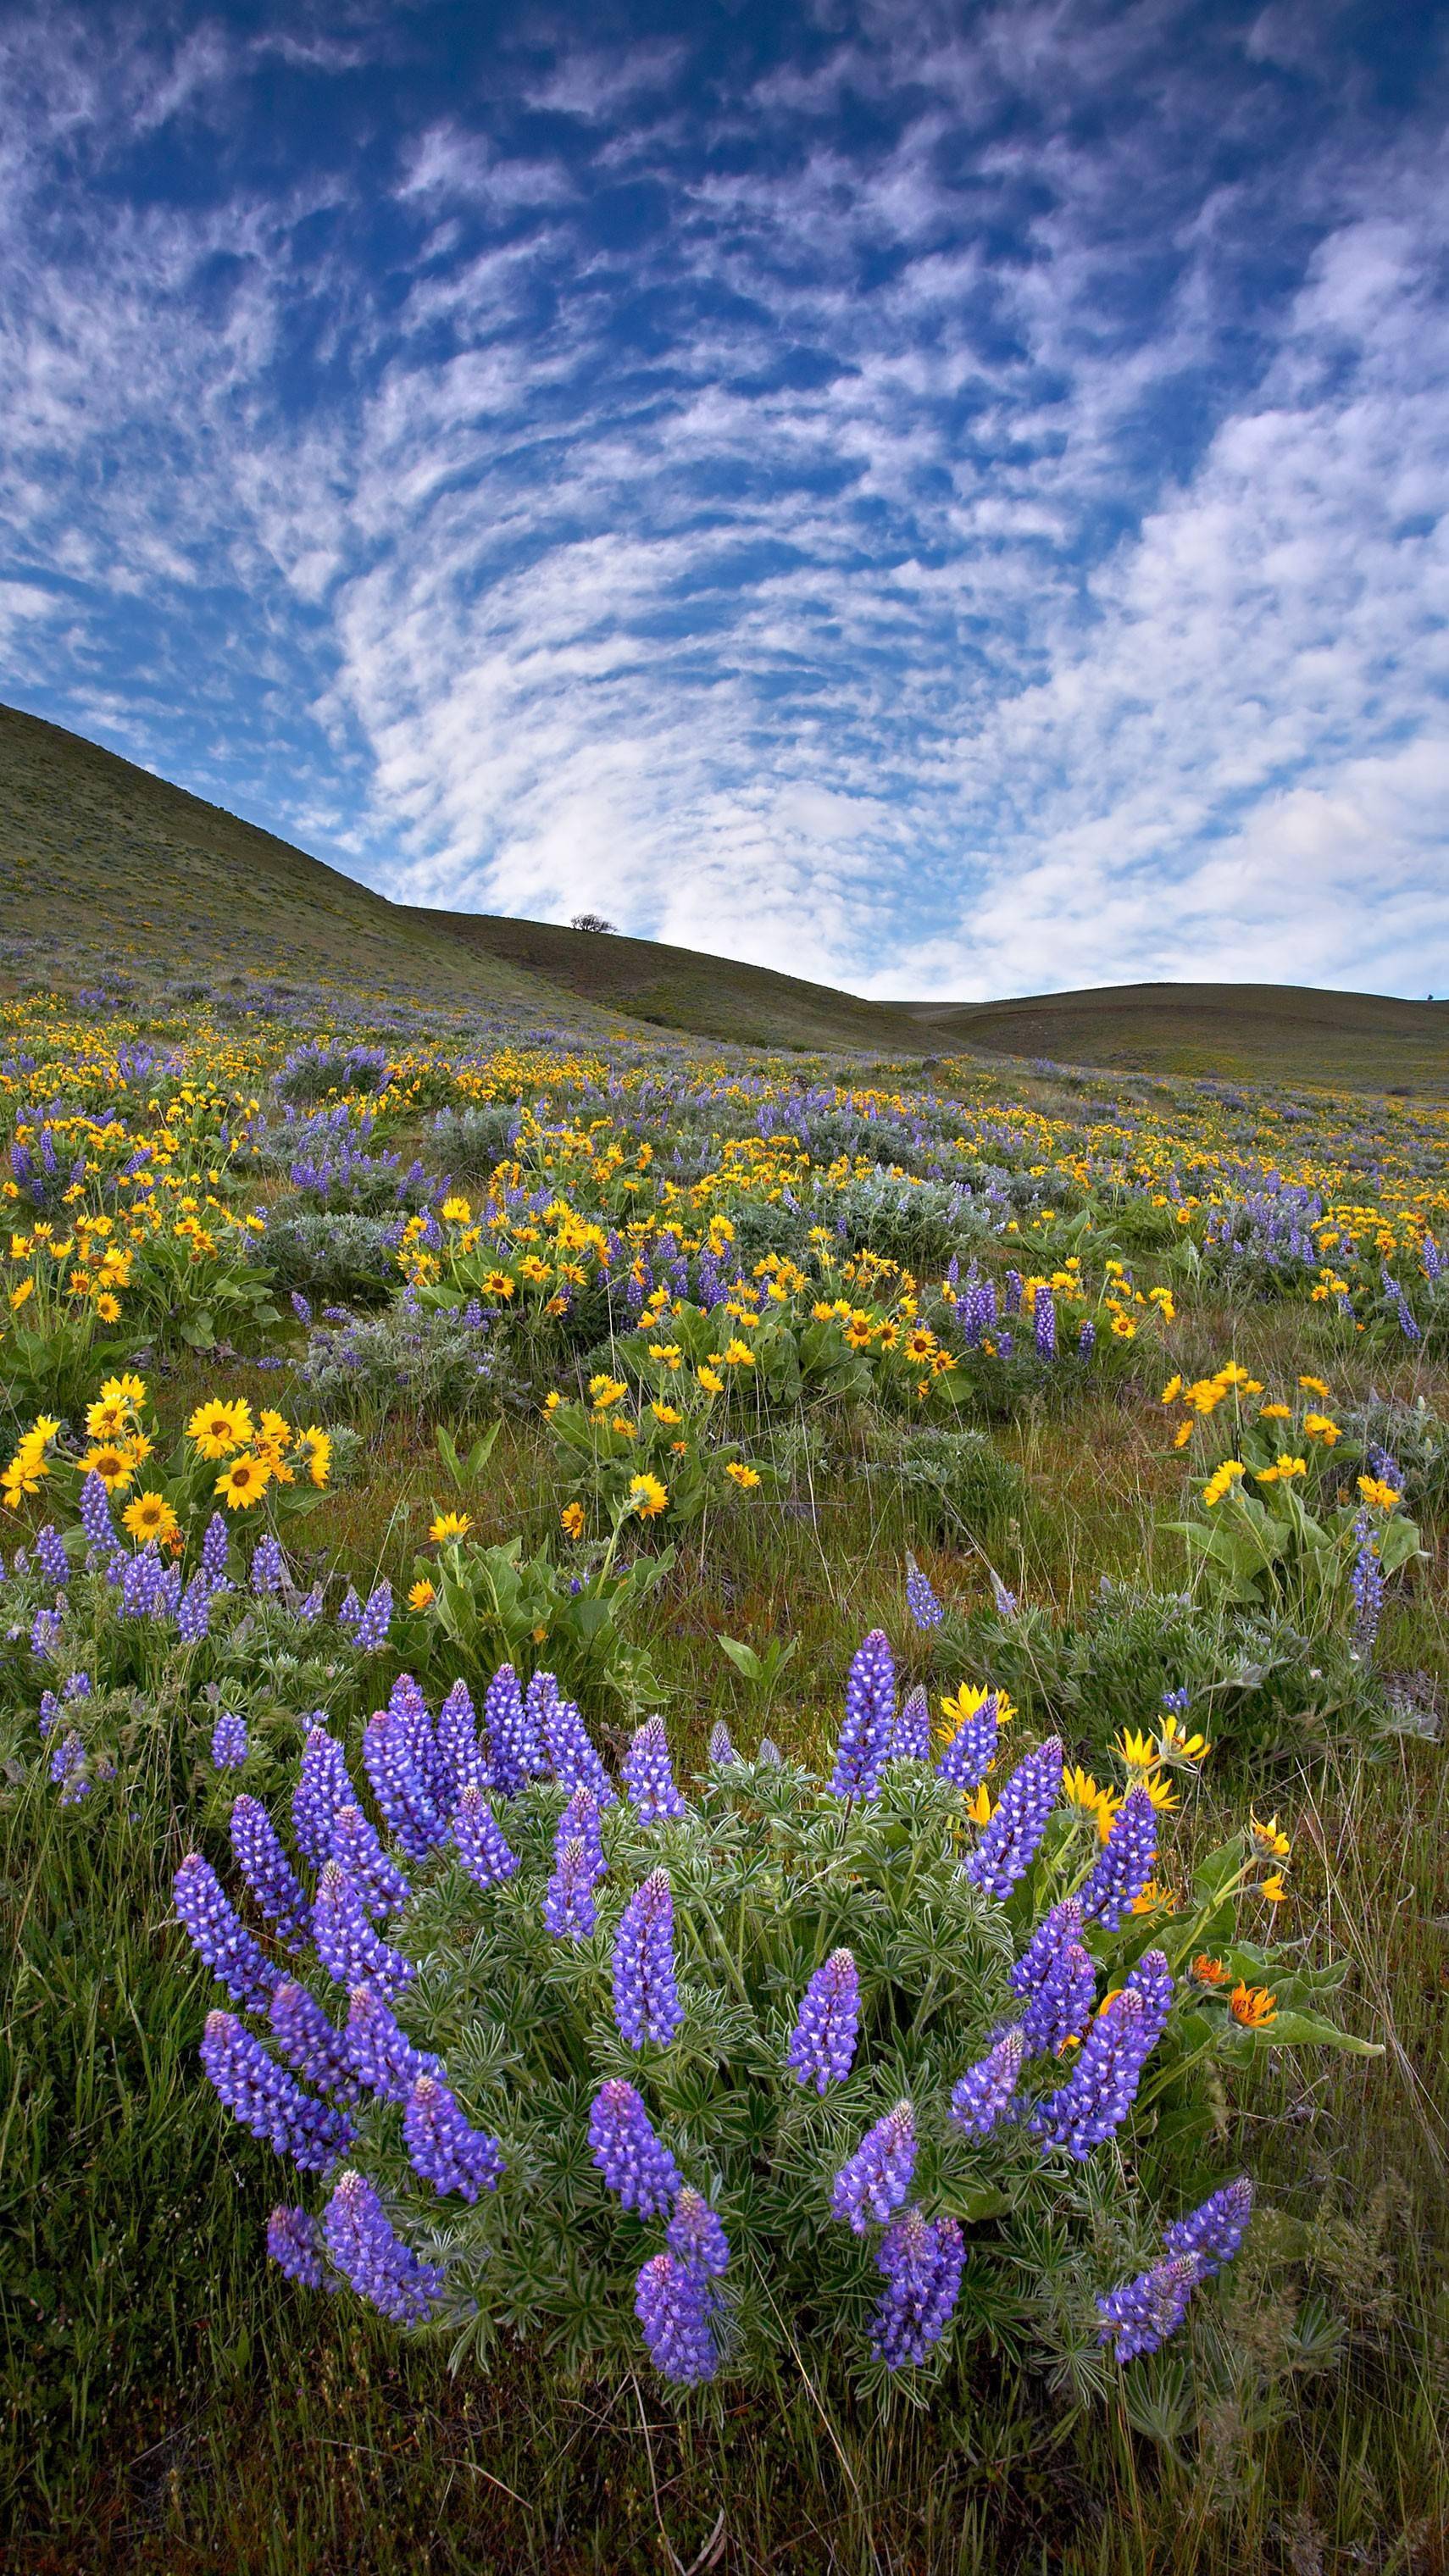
{"type": "Point", "coordinates": [256, 1453]}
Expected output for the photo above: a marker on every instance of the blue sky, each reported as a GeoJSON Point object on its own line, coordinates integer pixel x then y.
{"type": "Point", "coordinates": [942, 499]}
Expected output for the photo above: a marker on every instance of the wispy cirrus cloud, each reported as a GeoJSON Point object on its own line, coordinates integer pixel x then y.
{"type": "Point", "coordinates": [946, 501]}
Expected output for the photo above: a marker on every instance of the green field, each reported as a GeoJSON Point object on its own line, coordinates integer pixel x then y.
{"type": "Point", "coordinates": [126, 865]}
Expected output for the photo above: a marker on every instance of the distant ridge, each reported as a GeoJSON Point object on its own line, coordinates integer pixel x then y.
{"type": "Point", "coordinates": [111, 860]}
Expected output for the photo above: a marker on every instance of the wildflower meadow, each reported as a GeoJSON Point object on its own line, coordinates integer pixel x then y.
{"type": "Point", "coordinates": [723, 1801]}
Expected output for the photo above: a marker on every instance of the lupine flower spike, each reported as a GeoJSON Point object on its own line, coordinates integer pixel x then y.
{"type": "Point", "coordinates": [368, 2252]}
{"type": "Point", "coordinates": [1010, 1842]}
{"type": "Point", "coordinates": [823, 2043]}
{"type": "Point", "coordinates": [875, 2180]}
{"type": "Point", "coordinates": [633, 2161]}
{"type": "Point", "coordinates": [646, 1997]}
{"type": "Point", "coordinates": [870, 1718]}
{"type": "Point", "coordinates": [648, 1775]}
{"type": "Point", "coordinates": [922, 2260]}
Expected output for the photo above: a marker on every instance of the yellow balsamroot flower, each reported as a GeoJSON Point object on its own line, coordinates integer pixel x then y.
{"type": "Point", "coordinates": [1160, 1791]}
{"type": "Point", "coordinates": [1171, 1391]}
{"type": "Point", "coordinates": [1176, 1745]}
{"type": "Point", "coordinates": [220, 1426]}
{"type": "Point", "coordinates": [19, 1295]}
{"type": "Point", "coordinates": [552, 1400]}
{"type": "Point", "coordinates": [606, 1391]}
{"type": "Point", "coordinates": [114, 1465]}
{"type": "Point", "coordinates": [1318, 1426]}
{"type": "Point", "coordinates": [668, 1414]}
{"type": "Point", "coordinates": [1314, 1386]}
{"type": "Point", "coordinates": [711, 1381]}
{"type": "Point", "coordinates": [456, 1211]}
{"type": "Point", "coordinates": [571, 1520]}
{"type": "Point", "coordinates": [450, 1525]}
{"type": "Point", "coordinates": [741, 1475]}
{"type": "Point", "coordinates": [980, 1807]}
{"type": "Point", "coordinates": [422, 1595]}
{"type": "Point", "coordinates": [1270, 1838]}
{"type": "Point", "coordinates": [1278, 1413]}
{"type": "Point", "coordinates": [668, 1354]}
{"type": "Point", "coordinates": [1374, 1491]}
{"type": "Point", "coordinates": [108, 1308]}
{"type": "Point", "coordinates": [243, 1483]}
{"type": "Point", "coordinates": [1282, 1471]}
{"type": "Point", "coordinates": [150, 1517]}
{"type": "Point", "coordinates": [1222, 1480]}
{"type": "Point", "coordinates": [1253, 2006]}
{"type": "Point", "coordinates": [108, 1421]}
{"type": "Point", "coordinates": [1136, 1750]}
{"type": "Point", "coordinates": [919, 1344]}
{"type": "Point", "coordinates": [1273, 1888]}
{"type": "Point", "coordinates": [1080, 1790]}
{"type": "Point", "coordinates": [316, 1447]}
{"type": "Point", "coordinates": [648, 1497]}
{"type": "Point", "coordinates": [1154, 1900]}
{"type": "Point", "coordinates": [1182, 1435]}
{"type": "Point", "coordinates": [276, 1429]}
{"type": "Point", "coordinates": [1209, 1972]}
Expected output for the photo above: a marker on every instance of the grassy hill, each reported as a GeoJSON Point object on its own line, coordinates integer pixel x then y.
{"type": "Point", "coordinates": [120, 867]}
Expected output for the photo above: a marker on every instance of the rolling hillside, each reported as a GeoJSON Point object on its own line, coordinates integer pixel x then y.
{"type": "Point", "coordinates": [102, 862]}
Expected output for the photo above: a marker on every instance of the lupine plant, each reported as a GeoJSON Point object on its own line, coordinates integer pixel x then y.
{"type": "Point", "coordinates": [788, 2070]}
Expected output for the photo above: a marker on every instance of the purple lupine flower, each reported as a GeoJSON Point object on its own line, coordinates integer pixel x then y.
{"type": "Point", "coordinates": [407, 1712]}
{"type": "Point", "coordinates": [215, 1546]}
{"type": "Point", "coordinates": [1044, 1324]}
{"type": "Point", "coordinates": [323, 1787]}
{"type": "Point", "coordinates": [1011, 1293]}
{"type": "Point", "coordinates": [229, 1743]}
{"type": "Point", "coordinates": [1124, 1864]}
{"type": "Point", "coordinates": [1366, 1583]}
{"type": "Point", "coordinates": [45, 1634]}
{"type": "Point", "coordinates": [1102, 2086]}
{"type": "Point", "coordinates": [515, 1753]}
{"type": "Point", "coordinates": [460, 1754]}
{"type": "Point", "coordinates": [870, 1719]}
{"type": "Point", "coordinates": [922, 2260]}
{"type": "Point", "coordinates": [1005, 1601]}
{"type": "Point", "coordinates": [376, 1619]}
{"type": "Point", "coordinates": [479, 1840]}
{"type": "Point", "coordinates": [721, 1745]}
{"type": "Point", "coordinates": [311, 2043]}
{"type": "Point", "coordinates": [95, 1513]}
{"type": "Point", "coordinates": [300, 1307]}
{"type": "Point", "coordinates": [138, 1585]}
{"type": "Point", "coordinates": [49, 1713]}
{"type": "Point", "coordinates": [1087, 1340]}
{"type": "Point", "coordinates": [569, 1909]}
{"type": "Point", "coordinates": [193, 1617]}
{"type": "Point", "coordinates": [443, 2149]}
{"type": "Point", "coordinates": [377, 1878]}
{"type": "Point", "coordinates": [369, 2253]}
{"type": "Point", "coordinates": [1054, 1934]}
{"type": "Point", "coordinates": [568, 1747]}
{"type": "Point", "coordinates": [1214, 2231]}
{"type": "Point", "coordinates": [921, 1601]}
{"type": "Point", "coordinates": [694, 2233]}
{"type": "Point", "coordinates": [310, 1605]}
{"type": "Point", "coordinates": [986, 2093]}
{"type": "Point", "coordinates": [676, 2310]}
{"type": "Point", "coordinates": [911, 1741]}
{"type": "Point", "coordinates": [349, 1610]}
{"type": "Point", "coordinates": [633, 2161]}
{"type": "Point", "coordinates": [648, 1776]}
{"type": "Point", "coordinates": [67, 1769]}
{"type": "Point", "coordinates": [1142, 2313]}
{"type": "Point", "coordinates": [1177, 1702]}
{"type": "Point", "coordinates": [646, 1997]}
{"type": "Point", "coordinates": [218, 1936]}
{"type": "Point", "coordinates": [347, 1945]}
{"type": "Point", "coordinates": [822, 2046]}
{"type": "Point", "coordinates": [269, 1567]}
{"type": "Point", "coordinates": [972, 1749]}
{"type": "Point", "coordinates": [294, 2242]}
{"type": "Point", "coordinates": [268, 1872]}
{"type": "Point", "coordinates": [875, 2180]}
{"type": "Point", "coordinates": [1063, 2004]}
{"type": "Point", "coordinates": [1009, 1844]}
{"type": "Point", "coordinates": [399, 1786]}
{"type": "Point", "coordinates": [268, 2100]}
{"type": "Point", "coordinates": [76, 1686]}
{"type": "Point", "coordinates": [378, 2051]}
{"type": "Point", "coordinates": [51, 1557]}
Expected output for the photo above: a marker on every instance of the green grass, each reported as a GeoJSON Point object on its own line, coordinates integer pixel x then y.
{"type": "Point", "coordinates": [126, 868]}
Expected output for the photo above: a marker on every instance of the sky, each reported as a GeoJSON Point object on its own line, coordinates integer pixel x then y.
{"type": "Point", "coordinates": [944, 499]}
